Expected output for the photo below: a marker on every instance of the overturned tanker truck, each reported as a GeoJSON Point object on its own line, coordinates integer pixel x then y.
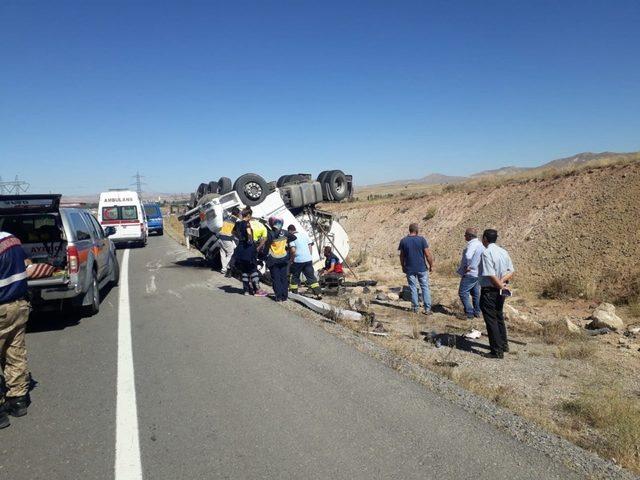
{"type": "Point", "coordinates": [292, 198]}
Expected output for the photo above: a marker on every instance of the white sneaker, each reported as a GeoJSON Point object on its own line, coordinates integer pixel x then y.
{"type": "Point", "coordinates": [473, 334]}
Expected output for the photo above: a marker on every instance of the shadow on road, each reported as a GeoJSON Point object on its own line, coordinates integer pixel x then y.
{"type": "Point", "coordinates": [68, 316]}
{"type": "Point", "coordinates": [231, 289]}
{"type": "Point", "coordinates": [455, 341]}
{"type": "Point", "coordinates": [196, 262]}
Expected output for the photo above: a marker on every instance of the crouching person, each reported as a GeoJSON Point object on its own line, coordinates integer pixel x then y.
{"type": "Point", "coordinates": [332, 265]}
{"type": "Point", "coordinates": [14, 313]}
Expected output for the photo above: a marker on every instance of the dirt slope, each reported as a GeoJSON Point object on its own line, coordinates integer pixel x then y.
{"type": "Point", "coordinates": [582, 227]}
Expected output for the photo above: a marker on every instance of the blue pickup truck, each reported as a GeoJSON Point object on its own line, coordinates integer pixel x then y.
{"type": "Point", "coordinates": [154, 218]}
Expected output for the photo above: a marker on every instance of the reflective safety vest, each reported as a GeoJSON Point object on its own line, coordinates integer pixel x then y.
{"type": "Point", "coordinates": [259, 230]}
{"type": "Point", "coordinates": [226, 232]}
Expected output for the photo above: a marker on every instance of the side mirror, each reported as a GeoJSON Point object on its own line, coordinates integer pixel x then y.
{"type": "Point", "coordinates": [108, 231]}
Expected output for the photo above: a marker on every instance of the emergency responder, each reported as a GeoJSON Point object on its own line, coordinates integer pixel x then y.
{"type": "Point", "coordinates": [246, 253]}
{"type": "Point", "coordinates": [302, 262]}
{"type": "Point", "coordinates": [278, 244]}
{"type": "Point", "coordinates": [332, 264]}
{"type": "Point", "coordinates": [227, 241]}
{"type": "Point", "coordinates": [14, 313]}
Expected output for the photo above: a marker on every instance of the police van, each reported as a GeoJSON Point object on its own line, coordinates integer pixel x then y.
{"type": "Point", "coordinates": [123, 210]}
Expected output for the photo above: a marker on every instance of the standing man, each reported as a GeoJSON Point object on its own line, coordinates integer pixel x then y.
{"type": "Point", "coordinates": [416, 261]}
{"type": "Point", "coordinates": [14, 313]}
{"type": "Point", "coordinates": [246, 255]}
{"type": "Point", "coordinates": [496, 269]}
{"type": "Point", "coordinates": [468, 270]}
{"type": "Point", "coordinates": [300, 251]}
{"type": "Point", "coordinates": [227, 241]}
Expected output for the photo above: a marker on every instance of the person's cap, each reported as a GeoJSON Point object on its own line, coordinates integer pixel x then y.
{"type": "Point", "coordinates": [275, 222]}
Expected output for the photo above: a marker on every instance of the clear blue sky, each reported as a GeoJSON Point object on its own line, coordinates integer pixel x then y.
{"type": "Point", "coordinates": [92, 91]}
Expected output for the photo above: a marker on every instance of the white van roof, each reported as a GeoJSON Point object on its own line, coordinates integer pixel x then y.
{"type": "Point", "coordinates": [119, 196]}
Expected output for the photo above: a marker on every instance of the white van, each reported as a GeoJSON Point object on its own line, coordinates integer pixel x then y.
{"type": "Point", "coordinates": [123, 210]}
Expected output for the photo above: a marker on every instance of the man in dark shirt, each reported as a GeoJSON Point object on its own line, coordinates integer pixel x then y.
{"type": "Point", "coordinates": [417, 261]}
{"type": "Point", "coordinates": [14, 313]}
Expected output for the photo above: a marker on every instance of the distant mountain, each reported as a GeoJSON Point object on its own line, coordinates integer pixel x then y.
{"type": "Point", "coordinates": [500, 172]}
{"type": "Point", "coordinates": [431, 179]}
{"type": "Point", "coordinates": [582, 158]}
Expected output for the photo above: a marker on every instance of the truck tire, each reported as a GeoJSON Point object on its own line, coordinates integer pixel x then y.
{"type": "Point", "coordinates": [336, 182]}
{"type": "Point", "coordinates": [322, 176]}
{"type": "Point", "coordinates": [282, 180]}
{"type": "Point", "coordinates": [202, 189]}
{"type": "Point", "coordinates": [251, 188]}
{"type": "Point", "coordinates": [212, 187]}
{"type": "Point", "coordinates": [224, 185]}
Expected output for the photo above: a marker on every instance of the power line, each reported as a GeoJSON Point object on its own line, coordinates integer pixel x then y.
{"type": "Point", "coordinates": [138, 183]}
{"type": "Point", "coordinates": [15, 187]}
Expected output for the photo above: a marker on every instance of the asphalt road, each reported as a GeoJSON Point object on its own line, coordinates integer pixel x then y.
{"type": "Point", "coordinates": [228, 386]}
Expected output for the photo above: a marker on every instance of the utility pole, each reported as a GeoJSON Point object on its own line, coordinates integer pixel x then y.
{"type": "Point", "coordinates": [138, 183]}
{"type": "Point", "coordinates": [15, 187]}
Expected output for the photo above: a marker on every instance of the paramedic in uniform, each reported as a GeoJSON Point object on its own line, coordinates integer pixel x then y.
{"type": "Point", "coordinates": [14, 313]}
{"type": "Point", "coordinates": [227, 240]}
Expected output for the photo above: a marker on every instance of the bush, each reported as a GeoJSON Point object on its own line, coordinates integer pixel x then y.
{"type": "Point", "coordinates": [430, 214]}
{"type": "Point", "coordinates": [560, 288]}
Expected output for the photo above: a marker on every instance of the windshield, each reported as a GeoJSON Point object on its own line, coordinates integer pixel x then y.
{"type": "Point", "coordinates": [153, 211]}
{"type": "Point", "coordinates": [32, 228]}
{"type": "Point", "coordinates": [127, 212]}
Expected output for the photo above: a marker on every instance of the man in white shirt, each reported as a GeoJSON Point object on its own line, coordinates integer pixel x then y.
{"type": "Point", "coordinates": [468, 271]}
{"type": "Point", "coordinates": [496, 270]}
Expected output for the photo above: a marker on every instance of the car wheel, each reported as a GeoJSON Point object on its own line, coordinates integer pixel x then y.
{"type": "Point", "coordinates": [251, 188]}
{"type": "Point", "coordinates": [224, 185]}
{"type": "Point", "coordinates": [337, 185]}
{"type": "Point", "coordinates": [94, 307]}
{"type": "Point", "coordinates": [115, 271]}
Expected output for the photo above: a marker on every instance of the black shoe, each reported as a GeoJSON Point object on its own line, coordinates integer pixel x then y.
{"type": "Point", "coordinates": [495, 355]}
{"type": "Point", "coordinates": [4, 419]}
{"type": "Point", "coordinates": [17, 406]}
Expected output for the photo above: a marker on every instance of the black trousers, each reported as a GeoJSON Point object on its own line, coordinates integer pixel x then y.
{"type": "Point", "coordinates": [279, 273]}
{"type": "Point", "coordinates": [491, 304]}
{"type": "Point", "coordinates": [306, 269]}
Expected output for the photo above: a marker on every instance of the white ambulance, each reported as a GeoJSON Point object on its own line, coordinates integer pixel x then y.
{"type": "Point", "coordinates": [123, 210]}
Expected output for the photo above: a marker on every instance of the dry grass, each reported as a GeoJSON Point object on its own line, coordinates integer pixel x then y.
{"type": "Point", "coordinates": [175, 229]}
{"type": "Point", "coordinates": [556, 333]}
{"type": "Point", "coordinates": [616, 417]}
{"type": "Point", "coordinates": [634, 308]}
{"type": "Point", "coordinates": [359, 259]}
{"type": "Point", "coordinates": [431, 212]}
{"type": "Point", "coordinates": [579, 350]}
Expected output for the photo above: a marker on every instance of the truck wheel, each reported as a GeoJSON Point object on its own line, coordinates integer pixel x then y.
{"type": "Point", "coordinates": [282, 180]}
{"type": "Point", "coordinates": [337, 185]}
{"type": "Point", "coordinates": [251, 189]}
{"type": "Point", "coordinates": [322, 175]}
{"type": "Point", "coordinates": [202, 189]}
{"type": "Point", "coordinates": [212, 187]}
{"type": "Point", "coordinates": [224, 185]}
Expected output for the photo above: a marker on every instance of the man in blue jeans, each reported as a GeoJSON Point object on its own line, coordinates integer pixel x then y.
{"type": "Point", "coordinates": [468, 271]}
{"type": "Point", "coordinates": [417, 261]}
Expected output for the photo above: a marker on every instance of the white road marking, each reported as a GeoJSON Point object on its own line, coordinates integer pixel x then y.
{"type": "Point", "coordinates": [128, 465]}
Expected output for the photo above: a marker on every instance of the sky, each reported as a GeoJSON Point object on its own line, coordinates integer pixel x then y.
{"type": "Point", "coordinates": [184, 92]}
